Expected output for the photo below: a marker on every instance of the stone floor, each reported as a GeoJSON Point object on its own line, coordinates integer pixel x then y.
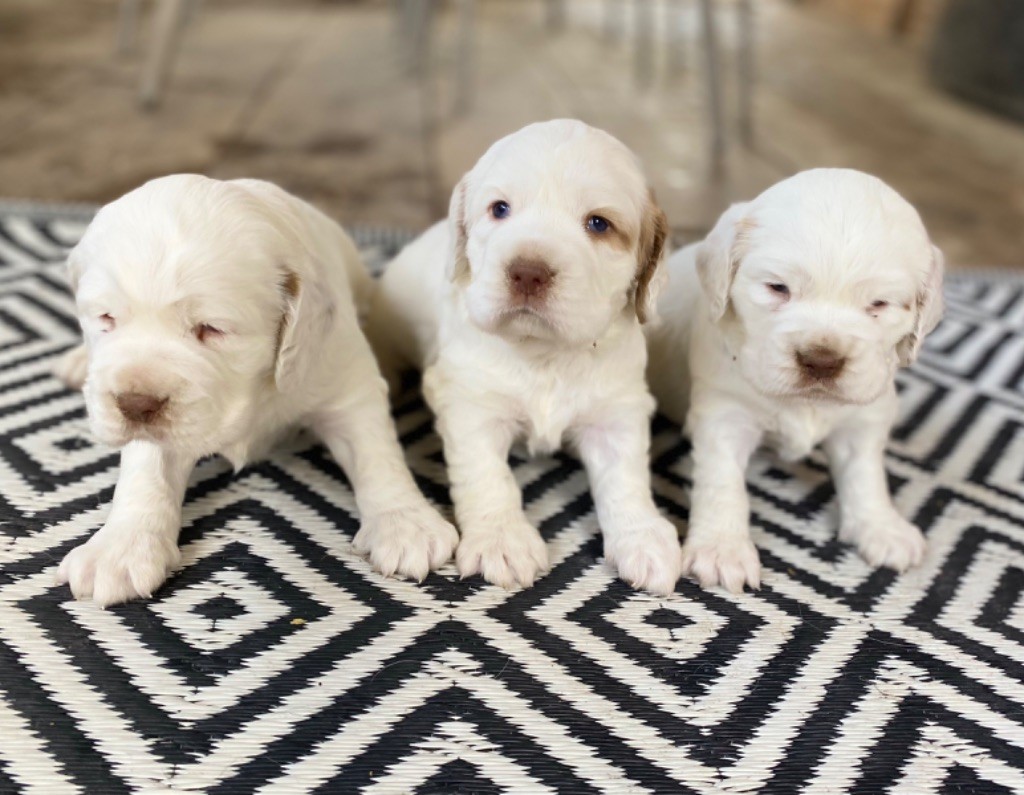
{"type": "Point", "coordinates": [315, 95]}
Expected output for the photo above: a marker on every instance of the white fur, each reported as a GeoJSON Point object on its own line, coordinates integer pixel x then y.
{"type": "Point", "coordinates": [281, 283]}
{"type": "Point", "coordinates": [570, 373]}
{"type": "Point", "coordinates": [725, 351]}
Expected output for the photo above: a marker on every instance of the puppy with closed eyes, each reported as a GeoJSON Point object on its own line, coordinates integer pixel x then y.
{"type": "Point", "coordinates": [786, 326]}
{"type": "Point", "coordinates": [217, 316]}
{"type": "Point", "coordinates": [525, 309]}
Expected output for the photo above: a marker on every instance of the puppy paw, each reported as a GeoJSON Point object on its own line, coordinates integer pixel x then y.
{"type": "Point", "coordinates": [889, 541]}
{"type": "Point", "coordinates": [410, 542]}
{"type": "Point", "coordinates": [118, 564]}
{"type": "Point", "coordinates": [647, 557]}
{"type": "Point", "coordinates": [730, 561]}
{"type": "Point", "coordinates": [72, 367]}
{"type": "Point", "coordinates": [511, 554]}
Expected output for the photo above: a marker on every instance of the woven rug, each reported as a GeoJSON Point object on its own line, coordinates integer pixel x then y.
{"type": "Point", "coordinates": [278, 660]}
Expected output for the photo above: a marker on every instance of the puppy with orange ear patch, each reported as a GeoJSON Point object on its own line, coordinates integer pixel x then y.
{"type": "Point", "coordinates": [786, 326]}
{"type": "Point", "coordinates": [217, 316]}
{"type": "Point", "coordinates": [524, 309]}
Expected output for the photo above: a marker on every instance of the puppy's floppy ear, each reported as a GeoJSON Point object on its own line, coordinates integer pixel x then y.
{"type": "Point", "coordinates": [306, 319]}
{"type": "Point", "coordinates": [654, 233]}
{"type": "Point", "coordinates": [75, 267]}
{"type": "Point", "coordinates": [458, 263]}
{"type": "Point", "coordinates": [718, 257]}
{"type": "Point", "coordinates": [928, 308]}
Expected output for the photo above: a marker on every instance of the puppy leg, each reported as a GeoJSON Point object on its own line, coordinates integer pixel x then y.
{"type": "Point", "coordinates": [498, 542]}
{"type": "Point", "coordinates": [72, 366]}
{"type": "Point", "coordinates": [868, 518]}
{"type": "Point", "coordinates": [718, 549]}
{"type": "Point", "coordinates": [638, 540]}
{"type": "Point", "coordinates": [400, 531]}
{"type": "Point", "coordinates": [133, 553]}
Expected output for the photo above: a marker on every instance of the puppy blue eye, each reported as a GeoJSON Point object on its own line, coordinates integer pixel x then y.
{"type": "Point", "coordinates": [500, 210]}
{"type": "Point", "coordinates": [779, 288]}
{"type": "Point", "coordinates": [597, 224]}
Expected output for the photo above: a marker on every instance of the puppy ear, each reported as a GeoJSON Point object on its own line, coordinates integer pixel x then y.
{"type": "Point", "coordinates": [651, 253]}
{"type": "Point", "coordinates": [307, 317]}
{"type": "Point", "coordinates": [75, 266]}
{"type": "Point", "coordinates": [458, 263]}
{"type": "Point", "coordinates": [928, 308]}
{"type": "Point", "coordinates": [718, 258]}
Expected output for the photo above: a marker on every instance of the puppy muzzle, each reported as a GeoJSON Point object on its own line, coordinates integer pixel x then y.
{"type": "Point", "coordinates": [530, 281]}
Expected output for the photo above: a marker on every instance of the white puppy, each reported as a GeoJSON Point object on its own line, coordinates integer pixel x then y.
{"type": "Point", "coordinates": [813, 294]}
{"type": "Point", "coordinates": [218, 315]}
{"type": "Point", "coordinates": [525, 309]}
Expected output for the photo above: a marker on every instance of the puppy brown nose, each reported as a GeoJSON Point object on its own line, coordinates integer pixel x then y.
{"type": "Point", "coordinates": [529, 278]}
{"type": "Point", "coordinates": [820, 363]}
{"type": "Point", "coordinates": [137, 407]}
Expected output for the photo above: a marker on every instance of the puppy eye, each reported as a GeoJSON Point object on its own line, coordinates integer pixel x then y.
{"type": "Point", "coordinates": [778, 288]}
{"type": "Point", "coordinates": [598, 225]}
{"type": "Point", "coordinates": [107, 321]}
{"type": "Point", "coordinates": [205, 333]}
{"type": "Point", "coordinates": [879, 304]}
{"type": "Point", "coordinates": [500, 210]}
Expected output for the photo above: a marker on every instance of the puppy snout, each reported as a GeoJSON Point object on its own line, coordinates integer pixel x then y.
{"type": "Point", "coordinates": [820, 363]}
{"type": "Point", "coordinates": [529, 278]}
{"type": "Point", "coordinates": [139, 407]}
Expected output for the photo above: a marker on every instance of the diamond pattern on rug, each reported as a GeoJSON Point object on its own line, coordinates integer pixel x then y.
{"type": "Point", "coordinates": [277, 660]}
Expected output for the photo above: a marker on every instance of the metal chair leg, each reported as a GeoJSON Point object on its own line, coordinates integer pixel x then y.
{"type": "Point", "coordinates": [614, 20]}
{"type": "Point", "coordinates": [416, 19]}
{"type": "Point", "coordinates": [713, 79]}
{"type": "Point", "coordinates": [127, 27]}
{"type": "Point", "coordinates": [675, 40]}
{"type": "Point", "coordinates": [192, 11]}
{"type": "Point", "coordinates": [746, 68]}
{"type": "Point", "coordinates": [466, 48]}
{"type": "Point", "coordinates": [554, 16]}
{"type": "Point", "coordinates": [643, 43]}
{"type": "Point", "coordinates": [167, 25]}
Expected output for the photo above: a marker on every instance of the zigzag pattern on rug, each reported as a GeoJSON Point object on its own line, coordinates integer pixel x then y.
{"type": "Point", "coordinates": [277, 658]}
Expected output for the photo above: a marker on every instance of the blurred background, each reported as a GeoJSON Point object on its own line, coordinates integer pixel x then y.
{"type": "Point", "coordinates": [374, 109]}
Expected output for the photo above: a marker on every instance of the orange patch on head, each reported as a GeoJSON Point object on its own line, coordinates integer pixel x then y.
{"type": "Point", "coordinates": [290, 284]}
{"type": "Point", "coordinates": [654, 233]}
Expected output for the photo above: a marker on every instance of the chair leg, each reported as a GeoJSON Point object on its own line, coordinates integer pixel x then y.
{"type": "Point", "coordinates": [167, 26]}
{"type": "Point", "coordinates": [466, 45]}
{"type": "Point", "coordinates": [713, 78]}
{"type": "Point", "coordinates": [192, 11]}
{"type": "Point", "coordinates": [420, 15]}
{"type": "Point", "coordinates": [675, 39]}
{"type": "Point", "coordinates": [747, 69]}
{"type": "Point", "coordinates": [643, 43]}
{"type": "Point", "coordinates": [554, 16]}
{"type": "Point", "coordinates": [127, 27]}
{"type": "Point", "coordinates": [613, 20]}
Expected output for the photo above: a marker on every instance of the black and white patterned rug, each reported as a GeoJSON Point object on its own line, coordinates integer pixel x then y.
{"type": "Point", "coordinates": [278, 661]}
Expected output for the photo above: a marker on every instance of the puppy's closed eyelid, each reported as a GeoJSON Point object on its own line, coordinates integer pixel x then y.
{"type": "Point", "coordinates": [207, 332]}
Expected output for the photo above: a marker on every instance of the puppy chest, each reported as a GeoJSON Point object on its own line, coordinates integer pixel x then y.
{"type": "Point", "coordinates": [796, 433]}
{"type": "Point", "coordinates": [545, 421]}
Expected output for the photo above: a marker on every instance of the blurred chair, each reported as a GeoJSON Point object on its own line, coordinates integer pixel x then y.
{"type": "Point", "coordinates": [169, 20]}
{"type": "Point", "coordinates": [414, 24]}
{"type": "Point", "coordinates": [714, 88]}
{"type": "Point", "coordinates": [644, 27]}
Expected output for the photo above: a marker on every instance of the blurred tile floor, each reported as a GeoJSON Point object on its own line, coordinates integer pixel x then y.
{"type": "Point", "coordinates": [314, 95]}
